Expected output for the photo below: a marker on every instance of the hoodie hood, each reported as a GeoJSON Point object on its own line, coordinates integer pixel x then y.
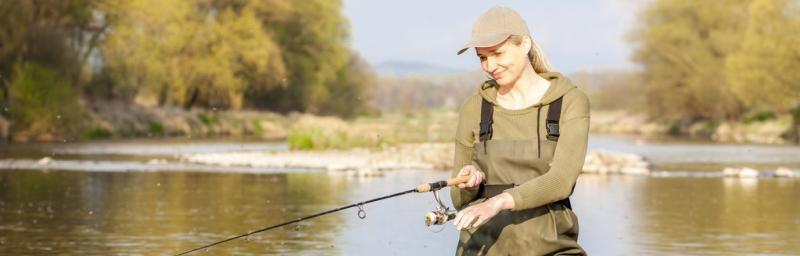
{"type": "Point", "coordinates": [559, 85]}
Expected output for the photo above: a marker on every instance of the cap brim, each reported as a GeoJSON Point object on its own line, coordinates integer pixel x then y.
{"type": "Point", "coordinates": [484, 41]}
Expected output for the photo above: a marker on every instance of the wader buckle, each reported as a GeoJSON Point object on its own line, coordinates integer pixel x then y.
{"type": "Point", "coordinates": [552, 130]}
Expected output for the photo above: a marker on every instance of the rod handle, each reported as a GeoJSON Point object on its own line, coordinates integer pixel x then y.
{"type": "Point", "coordinates": [440, 184]}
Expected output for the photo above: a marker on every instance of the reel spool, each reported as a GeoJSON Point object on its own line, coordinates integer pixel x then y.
{"type": "Point", "coordinates": [440, 216]}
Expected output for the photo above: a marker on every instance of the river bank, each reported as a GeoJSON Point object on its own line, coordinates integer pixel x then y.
{"type": "Point", "coordinates": [772, 130]}
{"type": "Point", "coordinates": [607, 155]}
{"type": "Point", "coordinates": [114, 120]}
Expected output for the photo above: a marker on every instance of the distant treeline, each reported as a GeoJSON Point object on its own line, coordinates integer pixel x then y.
{"type": "Point", "coordinates": [58, 56]}
{"type": "Point", "coordinates": [413, 93]}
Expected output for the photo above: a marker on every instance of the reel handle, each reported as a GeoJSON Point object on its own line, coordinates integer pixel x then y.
{"type": "Point", "coordinates": [426, 187]}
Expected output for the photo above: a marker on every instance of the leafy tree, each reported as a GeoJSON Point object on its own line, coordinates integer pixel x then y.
{"type": "Point", "coordinates": [682, 46]}
{"type": "Point", "coordinates": [312, 36]}
{"type": "Point", "coordinates": [44, 50]}
{"type": "Point", "coordinates": [190, 52]}
{"type": "Point", "coordinates": [764, 73]}
{"type": "Point", "coordinates": [352, 89]}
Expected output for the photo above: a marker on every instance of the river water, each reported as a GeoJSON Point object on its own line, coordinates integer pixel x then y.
{"type": "Point", "coordinates": [131, 198]}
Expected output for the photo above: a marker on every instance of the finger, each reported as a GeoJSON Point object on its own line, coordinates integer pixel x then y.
{"type": "Point", "coordinates": [459, 215]}
{"type": "Point", "coordinates": [466, 171]}
{"type": "Point", "coordinates": [480, 221]}
{"type": "Point", "coordinates": [468, 222]}
{"type": "Point", "coordinates": [472, 180]}
{"type": "Point", "coordinates": [460, 224]}
{"type": "Point", "coordinates": [472, 169]}
{"type": "Point", "coordinates": [461, 185]}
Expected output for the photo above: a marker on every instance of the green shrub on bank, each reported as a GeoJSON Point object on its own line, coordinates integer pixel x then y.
{"type": "Point", "coordinates": [97, 133]}
{"type": "Point", "coordinates": [257, 128]}
{"type": "Point", "coordinates": [155, 128]}
{"type": "Point", "coordinates": [208, 119]}
{"type": "Point", "coordinates": [759, 117]}
{"type": "Point", "coordinates": [44, 103]}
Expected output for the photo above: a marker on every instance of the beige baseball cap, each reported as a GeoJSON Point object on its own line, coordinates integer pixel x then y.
{"type": "Point", "coordinates": [495, 26]}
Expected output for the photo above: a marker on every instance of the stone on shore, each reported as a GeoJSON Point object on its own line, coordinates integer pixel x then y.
{"type": "Point", "coordinates": [745, 172]}
{"type": "Point", "coordinates": [45, 161]}
{"type": "Point", "coordinates": [601, 162]}
{"type": "Point", "coordinates": [784, 172]}
{"type": "Point", "coordinates": [156, 161]}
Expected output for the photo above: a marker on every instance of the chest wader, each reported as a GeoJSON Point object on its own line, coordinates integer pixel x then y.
{"type": "Point", "coordinates": [551, 229]}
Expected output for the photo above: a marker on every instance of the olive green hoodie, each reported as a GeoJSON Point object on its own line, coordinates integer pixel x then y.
{"type": "Point", "coordinates": [561, 162]}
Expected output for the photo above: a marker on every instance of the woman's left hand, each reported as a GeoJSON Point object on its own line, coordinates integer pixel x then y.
{"type": "Point", "coordinates": [476, 215]}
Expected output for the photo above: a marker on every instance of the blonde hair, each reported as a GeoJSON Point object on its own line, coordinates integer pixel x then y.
{"type": "Point", "coordinates": [535, 55]}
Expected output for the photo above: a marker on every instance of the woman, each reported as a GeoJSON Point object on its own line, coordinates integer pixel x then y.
{"type": "Point", "coordinates": [522, 141]}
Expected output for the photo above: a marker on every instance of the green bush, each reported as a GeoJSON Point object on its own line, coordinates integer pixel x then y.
{"type": "Point", "coordinates": [97, 133]}
{"type": "Point", "coordinates": [300, 140]}
{"type": "Point", "coordinates": [156, 128]}
{"type": "Point", "coordinates": [759, 117]}
{"type": "Point", "coordinates": [257, 128]}
{"type": "Point", "coordinates": [208, 119]}
{"type": "Point", "coordinates": [44, 102]}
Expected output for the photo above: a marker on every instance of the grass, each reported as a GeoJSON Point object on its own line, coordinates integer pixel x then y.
{"type": "Point", "coordinates": [317, 133]}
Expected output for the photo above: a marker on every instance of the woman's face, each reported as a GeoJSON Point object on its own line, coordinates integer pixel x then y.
{"type": "Point", "coordinates": [504, 62]}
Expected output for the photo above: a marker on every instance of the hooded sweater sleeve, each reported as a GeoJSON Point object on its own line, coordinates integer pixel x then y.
{"type": "Point", "coordinates": [567, 161]}
{"type": "Point", "coordinates": [464, 140]}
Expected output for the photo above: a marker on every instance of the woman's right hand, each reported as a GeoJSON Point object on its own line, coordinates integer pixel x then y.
{"type": "Point", "coordinates": [475, 177]}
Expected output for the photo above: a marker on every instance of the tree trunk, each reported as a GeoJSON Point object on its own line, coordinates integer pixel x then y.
{"type": "Point", "coordinates": [794, 131]}
{"type": "Point", "coordinates": [192, 99]}
{"type": "Point", "coordinates": [6, 98]}
{"type": "Point", "coordinates": [162, 96]}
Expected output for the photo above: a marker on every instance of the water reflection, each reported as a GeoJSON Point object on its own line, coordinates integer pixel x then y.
{"type": "Point", "coordinates": [95, 213]}
{"type": "Point", "coordinates": [105, 209]}
{"type": "Point", "coordinates": [639, 215]}
{"type": "Point", "coordinates": [76, 213]}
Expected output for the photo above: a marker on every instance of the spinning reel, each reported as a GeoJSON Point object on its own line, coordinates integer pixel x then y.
{"type": "Point", "coordinates": [441, 214]}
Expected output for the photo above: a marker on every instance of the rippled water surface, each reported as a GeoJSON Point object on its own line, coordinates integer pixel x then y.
{"type": "Point", "coordinates": [164, 212]}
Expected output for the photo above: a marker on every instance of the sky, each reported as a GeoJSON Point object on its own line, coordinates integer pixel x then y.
{"type": "Point", "coordinates": [581, 35]}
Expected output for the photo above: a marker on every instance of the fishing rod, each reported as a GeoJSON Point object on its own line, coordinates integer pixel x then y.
{"type": "Point", "coordinates": [441, 215]}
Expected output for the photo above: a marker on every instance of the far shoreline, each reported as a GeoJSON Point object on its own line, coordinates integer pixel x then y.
{"type": "Point", "coordinates": [115, 121]}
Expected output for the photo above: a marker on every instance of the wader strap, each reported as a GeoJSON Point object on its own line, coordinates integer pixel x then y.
{"type": "Point", "coordinates": [489, 191]}
{"type": "Point", "coordinates": [487, 110]}
{"type": "Point", "coordinates": [553, 115]}
{"type": "Point", "coordinates": [565, 202]}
